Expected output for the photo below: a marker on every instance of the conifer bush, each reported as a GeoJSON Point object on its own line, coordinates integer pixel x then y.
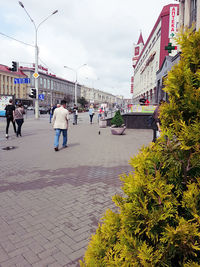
{"type": "Point", "coordinates": [117, 120]}
{"type": "Point", "coordinates": [158, 218]}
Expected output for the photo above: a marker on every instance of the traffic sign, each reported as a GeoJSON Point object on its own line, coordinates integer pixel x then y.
{"type": "Point", "coordinates": [41, 97]}
{"type": "Point", "coordinates": [36, 75]}
{"type": "Point", "coordinates": [22, 80]}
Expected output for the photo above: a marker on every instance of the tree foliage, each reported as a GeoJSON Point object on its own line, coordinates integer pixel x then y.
{"type": "Point", "coordinates": [117, 120]}
{"type": "Point", "coordinates": [158, 218]}
{"type": "Point", "coordinates": [68, 98]}
{"type": "Point", "coordinates": [82, 101]}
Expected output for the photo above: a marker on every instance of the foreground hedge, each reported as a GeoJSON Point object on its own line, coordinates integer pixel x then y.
{"type": "Point", "coordinates": [158, 219]}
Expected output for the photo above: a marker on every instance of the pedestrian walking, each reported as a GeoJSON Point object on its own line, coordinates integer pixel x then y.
{"type": "Point", "coordinates": [10, 108]}
{"type": "Point", "coordinates": [60, 124]}
{"type": "Point", "coordinates": [91, 113]}
{"type": "Point", "coordinates": [75, 114]}
{"type": "Point", "coordinates": [156, 123]}
{"type": "Point", "coordinates": [19, 118]}
{"type": "Point", "coordinates": [147, 102]}
{"type": "Point", "coordinates": [51, 112]}
{"type": "Point", "coordinates": [100, 112]}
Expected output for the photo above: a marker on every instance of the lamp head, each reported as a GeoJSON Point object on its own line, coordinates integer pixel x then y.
{"type": "Point", "coordinates": [21, 4]}
{"type": "Point", "coordinates": [55, 12]}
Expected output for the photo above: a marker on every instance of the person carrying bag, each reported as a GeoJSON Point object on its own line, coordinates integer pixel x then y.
{"type": "Point", "coordinates": [19, 118]}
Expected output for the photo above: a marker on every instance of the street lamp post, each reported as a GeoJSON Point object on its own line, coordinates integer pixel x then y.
{"type": "Point", "coordinates": [76, 81]}
{"type": "Point", "coordinates": [36, 55]}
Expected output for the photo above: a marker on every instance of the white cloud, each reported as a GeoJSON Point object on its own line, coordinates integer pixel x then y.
{"type": "Point", "coordinates": [97, 32]}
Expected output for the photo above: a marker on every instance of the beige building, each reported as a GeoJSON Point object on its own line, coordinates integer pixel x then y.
{"type": "Point", "coordinates": [9, 83]}
{"type": "Point", "coordinates": [53, 88]}
{"type": "Point", "coordinates": [98, 97]}
{"type": "Point", "coordinates": [190, 13]}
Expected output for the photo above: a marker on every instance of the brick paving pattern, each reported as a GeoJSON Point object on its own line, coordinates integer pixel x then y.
{"type": "Point", "coordinates": [51, 202]}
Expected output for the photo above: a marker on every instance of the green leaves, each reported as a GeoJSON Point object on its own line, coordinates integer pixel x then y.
{"type": "Point", "coordinates": [158, 221]}
{"type": "Point", "coordinates": [117, 120]}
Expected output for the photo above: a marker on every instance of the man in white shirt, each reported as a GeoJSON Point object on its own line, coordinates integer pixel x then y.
{"type": "Point", "coordinates": [60, 124]}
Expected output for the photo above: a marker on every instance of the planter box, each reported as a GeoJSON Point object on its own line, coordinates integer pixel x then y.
{"type": "Point", "coordinates": [118, 131]}
{"type": "Point", "coordinates": [102, 123]}
{"type": "Point", "coordinates": [135, 120]}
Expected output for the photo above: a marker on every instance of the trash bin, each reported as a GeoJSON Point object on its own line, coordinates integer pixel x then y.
{"type": "Point", "coordinates": [102, 123]}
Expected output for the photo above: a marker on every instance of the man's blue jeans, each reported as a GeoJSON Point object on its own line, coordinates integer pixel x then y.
{"type": "Point", "coordinates": [57, 136]}
{"type": "Point", "coordinates": [50, 117]}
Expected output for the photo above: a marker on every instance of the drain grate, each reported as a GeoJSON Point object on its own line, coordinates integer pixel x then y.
{"type": "Point", "coordinates": [9, 147]}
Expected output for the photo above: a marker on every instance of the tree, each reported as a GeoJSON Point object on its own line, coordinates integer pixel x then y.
{"type": "Point", "coordinates": [82, 101]}
{"type": "Point", "coordinates": [158, 218]}
{"type": "Point", "coordinates": [68, 98]}
{"type": "Point", "coordinates": [117, 120]}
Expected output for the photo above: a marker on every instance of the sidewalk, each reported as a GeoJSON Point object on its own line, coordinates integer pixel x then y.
{"type": "Point", "coordinates": [51, 202]}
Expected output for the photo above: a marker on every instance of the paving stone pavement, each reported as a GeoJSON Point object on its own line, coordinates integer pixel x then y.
{"type": "Point", "coordinates": [51, 202]}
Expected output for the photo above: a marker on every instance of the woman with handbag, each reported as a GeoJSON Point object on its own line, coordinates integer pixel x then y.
{"type": "Point", "coordinates": [91, 113]}
{"type": "Point", "coordinates": [19, 118]}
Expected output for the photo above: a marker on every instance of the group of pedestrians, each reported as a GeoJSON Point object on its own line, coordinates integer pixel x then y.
{"type": "Point", "coordinates": [59, 115]}
{"type": "Point", "coordinates": [14, 115]}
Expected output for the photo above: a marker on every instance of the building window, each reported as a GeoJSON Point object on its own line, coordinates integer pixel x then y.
{"type": "Point", "coordinates": [48, 84]}
{"type": "Point", "coordinates": [41, 81]}
{"type": "Point", "coordinates": [45, 83]}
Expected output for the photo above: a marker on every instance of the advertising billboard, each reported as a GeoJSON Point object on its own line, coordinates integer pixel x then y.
{"type": "Point", "coordinates": [4, 100]}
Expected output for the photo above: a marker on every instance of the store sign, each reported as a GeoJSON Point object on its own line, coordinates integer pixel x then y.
{"type": "Point", "coordinates": [21, 80]}
{"type": "Point", "coordinates": [173, 21]}
{"type": "Point", "coordinates": [132, 84]}
{"type": "Point", "coordinates": [41, 67]}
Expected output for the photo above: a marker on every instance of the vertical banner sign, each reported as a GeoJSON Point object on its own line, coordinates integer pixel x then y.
{"type": "Point", "coordinates": [132, 82]}
{"type": "Point", "coordinates": [173, 21]}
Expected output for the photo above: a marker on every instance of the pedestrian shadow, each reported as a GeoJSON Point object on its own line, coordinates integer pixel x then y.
{"type": "Point", "coordinates": [73, 144]}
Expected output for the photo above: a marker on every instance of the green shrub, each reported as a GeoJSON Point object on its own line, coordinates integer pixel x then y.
{"type": "Point", "coordinates": [158, 219]}
{"type": "Point", "coordinates": [117, 120]}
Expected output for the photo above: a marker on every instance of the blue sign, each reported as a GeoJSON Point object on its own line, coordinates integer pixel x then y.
{"type": "Point", "coordinates": [41, 97]}
{"type": "Point", "coordinates": [2, 113]}
{"type": "Point", "coordinates": [22, 80]}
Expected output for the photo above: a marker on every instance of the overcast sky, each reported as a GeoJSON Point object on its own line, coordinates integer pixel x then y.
{"type": "Point", "coordinates": [99, 33]}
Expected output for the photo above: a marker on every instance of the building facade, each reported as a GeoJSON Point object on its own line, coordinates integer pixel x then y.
{"type": "Point", "coordinates": [161, 75]}
{"type": "Point", "coordinates": [190, 13]}
{"type": "Point", "coordinates": [98, 97]}
{"type": "Point", "coordinates": [52, 87]}
{"type": "Point", "coordinates": [11, 83]}
{"type": "Point", "coordinates": [150, 58]}
{"type": "Point", "coordinates": [189, 16]}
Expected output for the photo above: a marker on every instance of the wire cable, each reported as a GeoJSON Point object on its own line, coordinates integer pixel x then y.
{"type": "Point", "coordinates": [46, 65]}
{"type": "Point", "coordinates": [15, 39]}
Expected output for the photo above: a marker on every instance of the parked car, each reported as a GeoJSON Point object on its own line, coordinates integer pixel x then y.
{"type": "Point", "coordinates": [43, 110]}
{"type": "Point", "coordinates": [30, 108]}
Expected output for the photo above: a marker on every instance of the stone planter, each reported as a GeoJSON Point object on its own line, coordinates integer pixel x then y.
{"type": "Point", "coordinates": [118, 130]}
